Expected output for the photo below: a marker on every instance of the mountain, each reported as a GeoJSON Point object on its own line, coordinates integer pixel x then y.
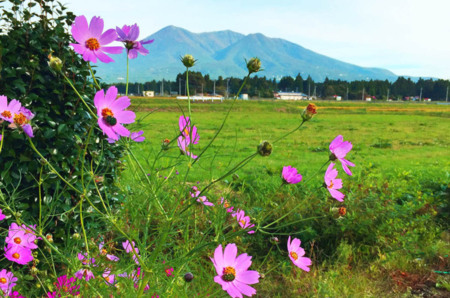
{"type": "Point", "coordinates": [222, 53]}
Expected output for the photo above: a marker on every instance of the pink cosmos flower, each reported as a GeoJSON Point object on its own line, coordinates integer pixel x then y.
{"type": "Point", "coordinates": [183, 144]}
{"type": "Point", "coordinates": [2, 216]}
{"type": "Point", "coordinates": [109, 278]}
{"type": "Point", "coordinates": [232, 272]}
{"type": "Point", "coordinates": [7, 281]}
{"type": "Point", "coordinates": [226, 205]}
{"type": "Point", "coordinates": [18, 254]}
{"type": "Point", "coordinates": [91, 41]}
{"type": "Point", "coordinates": [169, 271]}
{"type": "Point", "coordinates": [129, 35]}
{"type": "Point", "coordinates": [84, 273]}
{"type": "Point", "coordinates": [21, 238]}
{"type": "Point", "coordinates": [333, 184]}
{"type": "Point", "coordinates": [66, 285]}
{"type": "Point", "coordinates": [16, 294]}
{"type": "Point", "coordinates": [244, 221]}
{"type": "Point", "coordinates": [339, 150]}
{"type": "Point", "coordinates": [187, 131]}
{"type": "Point", "coordinates": [104, 252]}
{"type": "Point", "coordinates": [84, 259]}
{"type": "Point", "coordinates": [7, 111]}
{"type": "Point", "coordinates": [296, 254]}
{"type": "Point", "coordinates": [290, 175]}
{"type": "Point", "coordinates": [111, 113]}
{"type": "Point", "coordinates": [137, 136]}
{"type": "Point", "coordinates": [22, 119]}
{"type": "Point", "coordinates": [131, 248]}
{"type": "Point", "coordinates": [201, 199]}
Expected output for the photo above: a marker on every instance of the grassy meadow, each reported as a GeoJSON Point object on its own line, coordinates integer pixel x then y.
{"type": "Point", "coordinates": [394, 235]}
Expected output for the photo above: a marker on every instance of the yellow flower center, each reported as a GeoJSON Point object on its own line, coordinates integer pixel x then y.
{"type": "Point", "coordinates": [186, 132]}
{"type": "Point", "coordinates": [331, 185]}
{"type": "Point", "coordinates": [229, 274]}
{"type": "Point", "coordinates": [294, 255]}
{"type": "Point", "coordinates": [92, 44]}
{"type": "Point", "coordinates": [242, 222]}
{"type": "Point", "coordinates": [17, 240]}
{"type": "Point", "coordinates": [65, 288]}
{"type": "Point", "coordinates": [104, 251]}
{"type": "Point", "coordinates": [20, 119]}
{"type": "Point", "coordinates": [3, 280]}
{"type": "Point", "coordinates": [16, 256]}
{"type": "Point", "coordinates": [6, 114]}
{"type": "Point", "coordinates": [107, 112]}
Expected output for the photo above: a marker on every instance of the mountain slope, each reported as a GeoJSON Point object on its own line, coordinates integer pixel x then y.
{"type": "Point", "coordinates": [222, 53]}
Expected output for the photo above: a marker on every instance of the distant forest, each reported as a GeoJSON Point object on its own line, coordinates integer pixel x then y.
{"type": "Point", "coordinates": [401, 89]}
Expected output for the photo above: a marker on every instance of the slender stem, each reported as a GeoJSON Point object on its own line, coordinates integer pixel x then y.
{"type": "Point", "coordinates": [52, 168]}
{"type": "Point", "coordinates": [294, 222]}
{"type": "Point", "coordinates": [260, 266]}
{"type": "Point", "coordinates": [292, 131]}
{"type": "Point", "coordinates": [187, 90]}
{"type": "Point", "coordinates": [40, 200]}
{"type": "Point", "coordinates": [82, 226]}
{"type": "Point", "coordinates": [79, 95]}
{"type": "Point", "coordinates": [93, 77]}
{"type": "Point", "coordinates": [128, 67]}
{"type": "Point", "coordinates": [2, 136]}
{"type": "Point", "coordinates": [224, 120]}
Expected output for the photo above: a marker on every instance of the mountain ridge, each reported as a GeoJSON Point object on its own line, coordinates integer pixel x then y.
{"type": "Point", "coordinates": [222, 53]}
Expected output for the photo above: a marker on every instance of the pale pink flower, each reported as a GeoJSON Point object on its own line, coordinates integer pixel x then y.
{"type": "Point", "coordinates": [232, 272]}
{"type": "Point", "coordinates": [296, 254]}
{"type": "Point", "coordinates": [84, 273]}
{"type": "Point", "coordinates": [2, 216]}
{"type": "Point", "coordinates": [339, 150]}
{"type": "Point", "coordinates": [104, 252]}
{"type": "Point", "coordinates": [243, 220]}
{"type": "Point", "coordinates": [290, 175]}
{"type": "Point", "coordinates": [7, 111]}
{"type": "Point", "coordinates": [201, 199]}
{"type": "Point", "coordinates": [333, 184]}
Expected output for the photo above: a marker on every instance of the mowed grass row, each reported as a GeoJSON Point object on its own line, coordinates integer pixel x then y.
{"type": "Point", "coordinates": [392, 136]}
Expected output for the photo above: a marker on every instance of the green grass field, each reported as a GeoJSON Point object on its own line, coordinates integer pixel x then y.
{"type": "Point", "coordinates": [393, 236]}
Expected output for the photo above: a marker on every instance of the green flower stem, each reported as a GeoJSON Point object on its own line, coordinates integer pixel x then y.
{"type": "Point", "coordinates": [260, 266]}
{"type": "Point", "coordinates": [3, 137]}
{"type": "Point", "coordinates": [93, 77]}
{"type": "Point", "coordinates": [187, 90]}
{"type": "Point", "coordinates": [52, 168]}
{"type": "Point", "coordinates": [84, 156]}
{"type": "Point", "coordinates": [128, 68]}
{"type": "Point", "coordinates": [40, 199]}
{"type": "Point", "coordinates": [295, 222]}
{"type": "Point", "coordinates": [79, 95]}
{"type": "Point", "coordinates": [224, 120]}
{"type": "Point", "coordinates": [292, 131]}
{"type": "Point", "coordinates": [82, 226]}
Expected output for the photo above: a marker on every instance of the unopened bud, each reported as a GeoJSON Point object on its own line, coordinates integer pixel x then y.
{"type": "Point", "coordinates": [76, 236]}
{"type": "Point", "coordinates": [49, 238]}
{"type": "Point", "coordinates": [188, 60]}
{"type": "Point", "coordinates": [265, 148]}
{"type": "Point", "coordinates": [34, 270]}
{"type": "Point", "coordinates": [55, 63]}
{"type": "Point", "coordinates": [165, 144]}
{"type": "Point", "coordinates": [274, 240]}
{"type": "Point", "coordinates": [188, 277]}
{"type": "Point", "coordinates": [342, 211]}
{"type": "Point", "coordinates": [254, 65]}
{"type": "Point", "coordinates": [309, 112]}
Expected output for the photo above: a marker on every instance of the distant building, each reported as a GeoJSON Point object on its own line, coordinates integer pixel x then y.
{"type": "Point", "coordinates": [202, 98]}
{"type": "Point", "coordinates": [148, 93]}
{"type": "Point", "coordinates": [290, 95]}
{"type": "Point", "coordinates": [243, 96]}
{"type": "Point", "coordinates": [368, 98]}
{"type": "Point", "coordinates": [337, 97]}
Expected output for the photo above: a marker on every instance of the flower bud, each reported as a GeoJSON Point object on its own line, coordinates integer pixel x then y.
{"type": "Point", "coordinates": [254, 65]}
{"type": "Point", "coordinates": [309, 112]}
{"type": "Point", "coordinates": [265, 148]}
{"type": "Point", "coordinates": [34, 270]}
{"type": "Point", "coordinates": [165, 144]}
{"type": "Point", "coordinates": [76, 236]}
{"type": "Point", "coordinates": [49, 238]}
{"type": "Point", "coordinates": [342, 211]}
{"type": "Point", "coordinates": [188, 60]}
{"type": "Point", "coordinates": [55, 63]}
{"type": "Point", "coordinates": [188, 277]}
{"type": "Point", "coordinates": [274, 240]}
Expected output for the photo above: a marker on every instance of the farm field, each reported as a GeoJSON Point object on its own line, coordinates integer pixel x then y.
{"type": "Point", "coordinates": [394, 235]}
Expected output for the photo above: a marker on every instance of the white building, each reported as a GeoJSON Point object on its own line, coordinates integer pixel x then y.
{"type": "Point", "coordinates": [290, 95]}
{"type": "Point", "coordinates": [148, 93]}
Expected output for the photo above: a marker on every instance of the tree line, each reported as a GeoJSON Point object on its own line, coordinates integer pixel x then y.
{"type": "Point", "coordinates": [402, 88]}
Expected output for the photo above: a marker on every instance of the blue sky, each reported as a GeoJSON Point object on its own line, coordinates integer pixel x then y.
{"type": "Point", "coordinates": [407, 37]}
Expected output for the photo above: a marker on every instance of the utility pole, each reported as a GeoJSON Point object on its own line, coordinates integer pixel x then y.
{"type": "Point", "coordinates": [214, 92]}
{"type": "Point", "coordinates": [420, 96]}
{"type": "Point", "coordinates": [202, 90]}
{"type": "Point", "coordinates": [228, 81]}
{"type": "Point", "coordinates": [387, 95]}
{"type": "Point", "coordinates": [179, 86]}
{"type": "Point", "coordinates": [309, 89]}
{"type": "Point", "coordinates": [314, 94]}
{"type": "Point", "coordinates": [346, 96]}
{"type": "Point", "coordinates": [362, 98]}
{"type": "Point", "coordinates": [162, 88]}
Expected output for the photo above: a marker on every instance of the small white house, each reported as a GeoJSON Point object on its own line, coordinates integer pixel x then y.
{"type": "Point", "coordinates": [290, 95]}
{"type": "Point", "coordinates": [243, 96]}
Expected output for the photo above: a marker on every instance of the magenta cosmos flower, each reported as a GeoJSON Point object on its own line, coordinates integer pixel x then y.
{"type": "Point", "coordinates": [232, 272]}
{"type": "Point", "coordinates": [333, 184]}
{"type": "Point", "coordinates": [7, 111]}
{"type": "Point", "coordinates": [130, 248]}
{"type": "Point", "coordinates": [129, 35]}
{"type": "Point", "coordinates": [65, 286]}
{"type": "Point", "coordinates": [22, 119]}
{"type": "Point", "coordinates": [104, 252]}
{"type": "Point", "coordinates": [339, 150]}
{"type": "Point", "coordinates": [21, 238]}
{"type": "Point", "coordinates": [296, 254]}
{"type": "Point", "coordinates": [7, 281]}
{"type": "Point", "coordinates": [91, 41]}
{"type": "Point", "coordinates": [183, 144]}
{"type": "Point", "coordinates": [18, 254]}
{"type": "Point", "coordinates": [187, 131]}
{"type": "Point", "coordinates": [137, 136]}
{"type": "Point", "coordinates": [243, 220]}
{"type": "Point", "coordinates": [2, 216]}
{"type": "Point", "coordinates": [290, 175]}
{"type": "Point", "coordinates": [201, 199]}
{"type": "Point", "coordinates": [111, 113]}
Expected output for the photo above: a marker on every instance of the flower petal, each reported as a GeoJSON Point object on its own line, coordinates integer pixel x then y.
{"type": "Point", "coordinates": [96, 27]}
{"type": "Point", "coordinates": [108, 37]}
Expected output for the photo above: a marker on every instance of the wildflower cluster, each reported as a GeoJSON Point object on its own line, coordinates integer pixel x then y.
{"type": "Point", "coordinates": [17, 115]}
